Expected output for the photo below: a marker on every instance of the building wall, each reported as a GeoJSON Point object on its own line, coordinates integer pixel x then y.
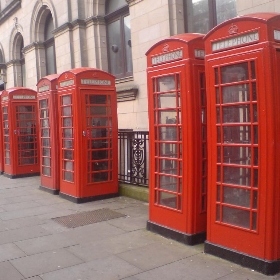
{"type": "Point", "coordinates": [80, 40]}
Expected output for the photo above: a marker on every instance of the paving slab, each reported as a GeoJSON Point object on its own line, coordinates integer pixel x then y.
{"type": "Point", "coordinates": [45, 262]}
{"type": "Point", "coordinates": [111, 268]}
{"type": "Point", "coordinates": [10, 236]}
{"type": "Point", "coordinates": [10, 251]}
{"type": "Point", "coordinates": [45, 243]}
{"type": "Point", "coordinates": [20, 223]}
{"type": "Point", "coordinates": [9, 272]}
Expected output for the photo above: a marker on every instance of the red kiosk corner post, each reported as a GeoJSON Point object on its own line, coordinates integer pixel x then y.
{"type": "Point", "coordinates": [88, 133]}
{"type": "Point", "coordinates": [243, 103]}
{"type": "Point", "coordinates": [1, 142]}
{"type": "Point", "coordinates": [49, 135]}
{"type": "Point", "coordinates": [20, 133]}
{"type": "Point", "coordinates": [177, 120]}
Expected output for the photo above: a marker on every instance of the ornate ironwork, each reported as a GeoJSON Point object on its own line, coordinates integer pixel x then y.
{"type": "Point", "coordinates": [133, 157]}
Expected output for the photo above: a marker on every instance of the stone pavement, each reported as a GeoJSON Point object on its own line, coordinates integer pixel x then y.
{"type": "Point", "coordinates": [34, 246]}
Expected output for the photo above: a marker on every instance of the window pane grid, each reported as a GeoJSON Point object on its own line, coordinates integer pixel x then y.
{"type": "Point", "coordinates": [6, 134]}
{"type": "Point", "coordinates": [237, 149]}
{"type": "Point", "coordinates": [67, 138]}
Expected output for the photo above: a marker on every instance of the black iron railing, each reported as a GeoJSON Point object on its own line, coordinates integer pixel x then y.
{"type": "Point", "coordinates": [133, 157]}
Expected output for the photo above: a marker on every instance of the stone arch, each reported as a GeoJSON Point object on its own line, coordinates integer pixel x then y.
{"type": "Point", "coordinates": [38, 19]}
{"type": "Point", "coordinates": [15, 42]}
{"type": "Point", "coordinates": [2, 54]}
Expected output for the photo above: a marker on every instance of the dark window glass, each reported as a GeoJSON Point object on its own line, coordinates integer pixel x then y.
{"type": "Point", "coordinates": [203, 15]}
{"type": "Point", "coordinates": [118, 38]}
{"type": "Point", "coordinates": [49, 46]}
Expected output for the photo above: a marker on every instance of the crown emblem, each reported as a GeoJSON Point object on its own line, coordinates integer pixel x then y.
{"type": "Point", "coordinates": [165, 48]}
{"type": "Point", "coordinates": [233, 29]}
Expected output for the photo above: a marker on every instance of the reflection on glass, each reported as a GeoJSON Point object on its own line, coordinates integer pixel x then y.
{"type": "Point", "coordinates": [68, 165]}
{"type": "Point", "coordinates": [236, 93]}
{"type": "Point", "coordinates": [234, 73]}
{"type": "Point", "coordinates": [254, 221]}
{"type": "Point", "coordinates": [45, 132]}
{"type": "Point", "coordinates": [168, 183]}
{"type": "Point", "coordinates": [237, 196]}
{"type": "Point", "coordinates": [218, 173]}
{"type": "Point", "coordinates": [216, 79]}
{"type": "Point", "coordinates": [218, 134]}
{"type": "Point", "coordinates": [168, 133]}
{"type": "Point", "coordinates": [256, 156]}
{"type": "Point", "coordinates": [237, 176]}
{"type": "Point", "coordinates": [218, 193]}
{"type": "Point", "coordinates": [253, 70]}
{"type": "Point", "coordinates": [218, 216]}
{"type": "Point", "coordinates": [67, 133]}
{"type": "Point", "coordinates": [240, 134]}
{"type": "Point", "coordinates": [168, 166]}
{"type": "Point", "coordinates": [46, 161]}
{"type": "Point", "coordinates": [168, 199]}
{"type": "Point", "coordinates": [167, 100]}
{"type": "Point", "coordinates": [218, 115]}
{"type": "Point", "coordinates": [225, 9]}
{"type": "Point", "coordinates": [236, 114]}
{"type": "Point", "coordinates": [254, 91]}
{"type": "Point", "coordinates": [256, 134]}
{"type": "Point", "coordinates": [168, 116]}
{"type": "Point", "coordinates": [255, 113]}
{"type": "Point", "coordinates": [255, 199]}
{"type": "Point", "coordinates": [67, 122]}
{"type": "Point", "coordinates": [46, 152]}
{"type": "Point", "coordinates": [68, 176]}
{"type": "Point", "coordinates": [219, 154]}
{"type": "Point", "coordinates": [237, 155]}
{"type": "Point", "coordinates": [127, 39]}
{"type": "Point", "coordinates": [68, 144]}
{"type": "Point", "coordinates": [68, 154]}
{"type": "Point", "coordinates": [166, 83]}
{"type": "Point", "coordinates": [236, 217]}
{"type": "Point", "coordinates": [100, 110]}
{"type": "Point", "coordinates": [44, 114]}
{"type": "Point", "coordinates": [66, 100]}
{"type": "Point", "coordinates": [197, 15]}
{"type": "Point", "coordinates": [256, 178]}
{"type": "Point", "coordinates": [46, 171]}
{"type": "Point", "coordinates": [66, 111]}
{"type": "Point", "coordinates": [168, 150]}
{"type": "Point", "coordinates": [100, 177]}
{"type": "Point", "coordinates": [46, 142]}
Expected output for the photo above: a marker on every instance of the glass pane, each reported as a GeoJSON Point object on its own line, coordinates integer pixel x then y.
{"type": "Point", "coordinates": [168, 150]}
{"type": "Point", "coordinates": [256, 156]}
{"type": "Point", "coordinates": [46, 152]}
{"type": "Point", "coordinates": [46, 161]}
{"type": "Point", "coordinates": [113, 5]}
{"type": "Point", "coordinates": [167, 116]}
{"type": "Point", "coordinates": [115, 47]}
{"type": "Point", "coordinates": [168, 183]}
{"type": "Point", "coordinates": [68, 165]}
{"type": "Point", "coordinates": [167, 199]}
{"type": "Point", "coordinates": [50, 60]}
{"type": "Point", "coordinates": [237, 176]}
{"type": "Point", "coordinates": [218, 213]}
{"type": "Point", "coordinates": [237, 134]}
{"type": "Point", "coordinates": [168, 133]}
{"type": "Point", "coordinates": [235, 73]}
{"type": "Point", "coordinates": [100, 177]}
{"type": "Point", "coordinates": [168, 166]}
{"type": "Point", "coordinates": [68, 154]}
{"type": "Point", "coordinates": [66, 100]}
{"type": "Point", "coordinates": [43, 103]}
{"type": "Point", "coordinates": [49, 28]}
{"type": "Point", "coordinates": [167, 100]}
{"type": "Point", "coordinates": [166, 83]}
{"type": "Point", "coordinates": [98, 99]}
{"type": "Point", "coordinates": [197, 16]}
{"type": "Point", "coordinates": [237, 196]}
{"type": "Point", "coordinates": [236, 217]}
{"type": "Point", "coordinates": [67, 122]}
{"type": "Point", "coordinates": [46, 171]}
{"type": "Point", "coordinates": [237, 155]}
{"type": "Point", "coordinates": [127, 41]}
{"type": "Point", "coordinates": [218, 193]}
{"type": "Point", "coordinates": [66, 111]}
{"type": "Point", "coordinates": [68, 144]}
{"type": "Point", "coordinates": [67, 133]}
{"type": "Point", "coordinates": [68, 176]}
{"type": "Point", "coordinates": [225, 9]}
{"type": "Point", "coordinates": [237, 93]}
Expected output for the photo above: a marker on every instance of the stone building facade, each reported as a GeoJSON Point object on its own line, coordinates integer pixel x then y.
{"type": "Point", "coordinates": [41, 37]}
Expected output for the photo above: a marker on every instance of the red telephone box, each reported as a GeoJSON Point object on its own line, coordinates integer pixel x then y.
{"type": "Point", "coordinates": [49, 136]}
{"type": "Point", "coordinates": [243, 85]}
{"type": "Point", "coordinates": [88, 131]}
{"type": "Point", "coordinates": [1, 142]}
{"type": "Point", "coordinates": [177, 109]}
{"type": "Point", "coordinates": [19, 117]}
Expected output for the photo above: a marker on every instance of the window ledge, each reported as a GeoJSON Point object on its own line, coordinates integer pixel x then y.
{"type": "Point", "coordinates": [126, 92]}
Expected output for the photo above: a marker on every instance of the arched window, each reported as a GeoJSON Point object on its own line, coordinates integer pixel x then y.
{"type": "Point", "coordinates": [203, 15]}
{"type": "Point", "coordinates": [22, 64]}
{"type": "Point", "coordinates": [49, 45]}
{"type": "Point", "coordinates": [118, 38]}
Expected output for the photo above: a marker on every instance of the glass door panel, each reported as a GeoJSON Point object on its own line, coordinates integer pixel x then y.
{"type": "Point", "coordinates": [67, 138]}
{"type": "Point", "coordinates": [6, 134]}
{"type": "Point", "coordinates": [168, 141]}
{"type": "Point", "coordinates": [99, 137]}
{"type": "Point", "coordinates": [26, 134]}
{"type": "Point", "coordinates": [237, 145]}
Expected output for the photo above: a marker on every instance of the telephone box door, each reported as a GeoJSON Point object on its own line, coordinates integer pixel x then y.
{"type": "Point", "coordinates": [168, 197]}
{"type": "Point", "coordinates": [7, 154]}
{"type": "Point", "coordinates": [236, 211]}
{"type": "Point", "coordinates": [26, 137]}
{"type": "Point", "coordinates": [98, 134]}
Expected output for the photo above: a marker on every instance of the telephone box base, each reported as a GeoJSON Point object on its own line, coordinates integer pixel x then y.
{"type": "Point", "coordinates": [79, 200]}
{"type": "Point", "coordinates": [15, 176]}
{"type": "Point", "coordinates": [48, 190]}
{"type": "Point", "coordinates": [188, 239]}
{"type": "Point", "coordinates": [1, 172]}
{"type": "Point", "coordinates": [260, 265]}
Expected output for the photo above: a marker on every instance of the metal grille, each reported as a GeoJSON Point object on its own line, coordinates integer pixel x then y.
{"type": "Point", "coordinates": [133, 157]}
{"type": "Point", "coordinates": [87, 218]}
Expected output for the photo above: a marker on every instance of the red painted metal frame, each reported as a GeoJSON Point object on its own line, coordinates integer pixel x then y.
{"type": "Point", "coordinates": [76, 164]}
{"type": "Point", "coordinates": [189, 214]}
{"type": "Point", "coordinates": [49, 156]}
{"type": "Point", "coordinates": [261, 237]}
{"type": "Point", "coordinates": [22, 149]}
